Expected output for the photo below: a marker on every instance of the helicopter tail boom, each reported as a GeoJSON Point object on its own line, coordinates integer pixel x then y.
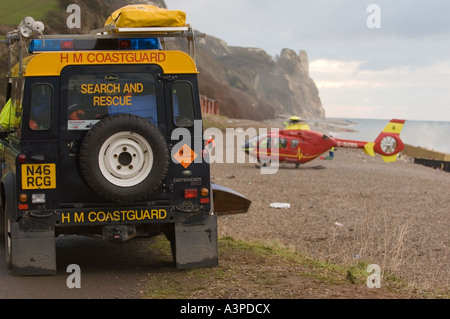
{"type": "Point", "coordinates": [388, 144]}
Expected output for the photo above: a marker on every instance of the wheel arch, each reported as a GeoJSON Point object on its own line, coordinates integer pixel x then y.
{"type": "Point", "coordinates": [8, 193]}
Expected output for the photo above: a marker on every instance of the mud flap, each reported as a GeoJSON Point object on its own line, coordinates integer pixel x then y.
{"type": "Point", "coordinates": [196, 245]}
{"type": "Point", "coordinates": [32, 252]}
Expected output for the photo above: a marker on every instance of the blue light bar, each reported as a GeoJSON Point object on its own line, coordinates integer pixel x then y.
{"type": "Point", "coordinates": [51, 45]}
{"type": "Point", "coordinates": [48, 45]}
{"type": "Point", "coordinates": [139, 44]}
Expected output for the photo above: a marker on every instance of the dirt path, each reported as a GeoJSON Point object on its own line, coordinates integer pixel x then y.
{"type": "Point", "coordinates": [108, 271]}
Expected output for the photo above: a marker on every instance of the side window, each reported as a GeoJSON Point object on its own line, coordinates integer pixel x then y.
{"type": "Point", "coordinates": [294, 143]}
{"type": "Point", "coordinates": [183, 104]}
{"type": "Point", "coordinates": [41, 107]}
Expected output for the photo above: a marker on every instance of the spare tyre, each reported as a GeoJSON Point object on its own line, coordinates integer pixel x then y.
{"type": "Point", "coordinates": [124, 158]}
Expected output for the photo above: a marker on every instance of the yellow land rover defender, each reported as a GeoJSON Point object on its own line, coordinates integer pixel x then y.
{"type": "Point", "coordinates": [101, 135]}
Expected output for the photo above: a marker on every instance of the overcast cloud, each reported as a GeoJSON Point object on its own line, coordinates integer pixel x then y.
{"type": "Point", "coordinates": [401, 69]}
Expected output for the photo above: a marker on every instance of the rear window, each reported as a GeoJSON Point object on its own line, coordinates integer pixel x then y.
{"type": "Point", "coordinates": [95, 96]}
{"type": "Point", "coordinates": [183, 104]}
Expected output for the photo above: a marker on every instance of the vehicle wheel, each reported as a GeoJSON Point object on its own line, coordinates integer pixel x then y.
{"type": "Point", "coordinates": [124, 158]}
{"type": "Point", "coordinates": [8, 240]}
{"type": "Point", "coordinates": [170, 236]}
{"type": "Point", "coordinates": [2, 221]}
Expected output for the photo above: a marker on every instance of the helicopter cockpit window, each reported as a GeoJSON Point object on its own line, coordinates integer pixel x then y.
{"type": "Point", "coordinates": [294, 143]}
{"type": "Point", "coordinates": [265, 143]}
{"type": "Point", "coordinates": [278, 143]}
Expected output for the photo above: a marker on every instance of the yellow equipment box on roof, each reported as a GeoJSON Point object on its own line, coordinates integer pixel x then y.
{"type": "Point", "coordinates": [142, 15]}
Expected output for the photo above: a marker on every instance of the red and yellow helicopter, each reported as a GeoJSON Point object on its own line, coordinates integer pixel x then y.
{"type": "Point", "coordinates": [298, 144]}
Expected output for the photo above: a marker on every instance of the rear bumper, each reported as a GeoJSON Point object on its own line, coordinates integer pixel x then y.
{"type": "Point", "coordinates": [62, 218]}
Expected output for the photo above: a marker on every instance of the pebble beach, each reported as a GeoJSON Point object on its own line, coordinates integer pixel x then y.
{"type": "Point", "coordinates": [349, 209]}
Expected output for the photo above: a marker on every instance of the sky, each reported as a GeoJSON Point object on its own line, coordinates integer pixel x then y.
{"type": "Point", "coordinates": [375, 59]}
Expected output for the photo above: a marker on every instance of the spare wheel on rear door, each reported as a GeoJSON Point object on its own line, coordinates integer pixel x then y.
{"type": "Point", "coordinates": [124, 158]}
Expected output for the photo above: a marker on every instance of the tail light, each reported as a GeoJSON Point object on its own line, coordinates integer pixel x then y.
{"type": "Point", "coordinates": [22, 158]}
{"type": "Point", "coordinates": [190, 193]}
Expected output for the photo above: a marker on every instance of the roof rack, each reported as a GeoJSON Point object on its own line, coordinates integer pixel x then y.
{"type": "Point", "coordinates": [108, 32]}
{"type": "Point", "coordinates": [162, 33]}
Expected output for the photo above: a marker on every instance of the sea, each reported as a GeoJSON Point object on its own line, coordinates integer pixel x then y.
{"type": "Point", "coordinates": [433, 135]}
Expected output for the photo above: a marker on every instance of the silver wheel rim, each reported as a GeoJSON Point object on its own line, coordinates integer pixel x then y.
{"type": "Point", "coordinates": [8, 237]}
{"type": "Point", "coordinates": [125, 159]}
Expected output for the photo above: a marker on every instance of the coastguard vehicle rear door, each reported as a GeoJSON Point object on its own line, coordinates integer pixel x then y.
{"type": "Point", "coordinates": [91, 93]}
{"type": "Point", "coordinates": [189, 172]}
{"type": "Point", "coordinates": [39, 140]}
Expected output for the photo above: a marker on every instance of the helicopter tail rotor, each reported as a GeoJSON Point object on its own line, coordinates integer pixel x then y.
{"type": "Point", "coordinates": [388, 144]}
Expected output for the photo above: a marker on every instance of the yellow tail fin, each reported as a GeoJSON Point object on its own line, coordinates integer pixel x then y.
{"type": "Point", "coordinates": [394, 126]}
{"type": "Point", "coordinates": [368, 149]}
{"type": "Point", "coordinates": [389, 159]}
